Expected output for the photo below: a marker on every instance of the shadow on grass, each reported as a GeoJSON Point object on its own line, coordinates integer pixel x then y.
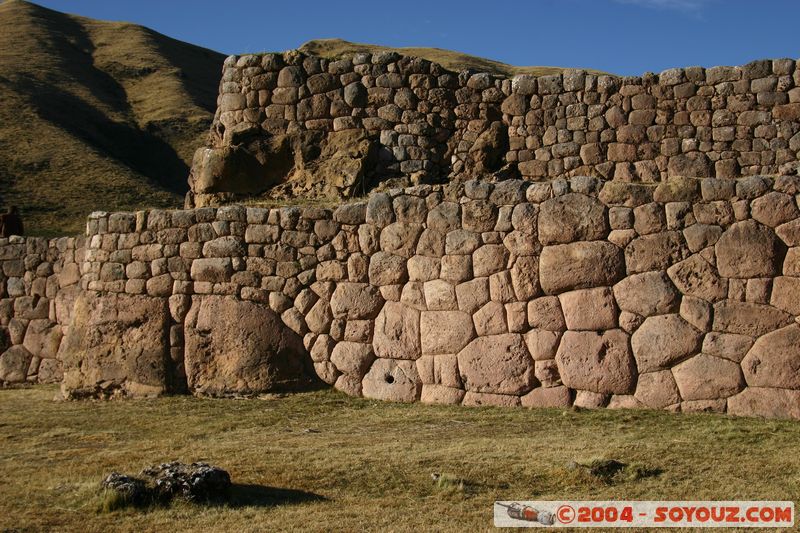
{"type": "Point", "coordinates": [249, 495]}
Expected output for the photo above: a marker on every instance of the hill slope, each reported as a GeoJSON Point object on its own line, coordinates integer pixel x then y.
{"type": "Point", "coordinates": [334, 48]}
{"type": "Point", "coordinates": [96, 115]}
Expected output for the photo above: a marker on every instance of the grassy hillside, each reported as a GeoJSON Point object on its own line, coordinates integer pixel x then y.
{"type": "Point", "coordinates": [334, 48]}
{"type": "Point", "coordinates": [96, 115]}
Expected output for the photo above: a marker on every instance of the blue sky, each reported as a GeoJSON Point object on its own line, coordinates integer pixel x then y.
{"type": "Point", "coordinates": [626, 37]}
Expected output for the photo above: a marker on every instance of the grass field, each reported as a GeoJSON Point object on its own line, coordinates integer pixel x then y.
{"type": "Point", "coordinates": [323, 461]}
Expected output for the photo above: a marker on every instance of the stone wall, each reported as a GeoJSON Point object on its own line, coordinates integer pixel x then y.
{"type": "Point", "coordinates": [682, 295]}
{"type": "Point", "coordinates": [39, 280]}
{"type": "Point", "coordinates": [428, 123]}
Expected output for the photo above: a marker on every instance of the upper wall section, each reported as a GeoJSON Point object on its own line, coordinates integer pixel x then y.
{"type": "Point", "coordinates": [278, 112]}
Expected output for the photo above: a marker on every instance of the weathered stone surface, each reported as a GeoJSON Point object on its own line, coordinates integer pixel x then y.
{"type": "Point", "coordinates": [14, 364]}
{"type": "Point", "coordinates": [212, 270]}
{"type": "Point", "coordinates": [748, 318]}
{"type": "Point", "coordinates": [498, 364]}
{"type": "Point", "coordinates": [490, 319]}
{"type": "Point", "coordinates": [352, 358]}
{"type": "Point", "coordinates": [580, 265]}
{"type": "Point", "coordinates": [240, 347]}
{"type": "Point", "coordinates": [657, 389]}
{"type": "Point", "coordinates": [590, 400]}
{"type": "Point", "coordinates": [786, 294]}
{"type": "Point", "coordinates": [400, 238]}
{"type": "Point", "coordinates": [572, 217]}
{"type": "Point", "coordinates": [748, 250]}
{"type": "Point", "coordinates": [479, 399]}
{"type": "Point", "coordinates": [525, 278]}
{"type": "Point", "coordinates": [42, 338]}
{"type": "Point", "coordinates": [489, 259]}
{"type": "Point", "coordinates": [696, 277]}
{"type": "Point", "coordinates": [699, 236]}
{"type": "Point", "coordinates": [774, 360]}
{"type": "Point", "coordinates": [397, 332]}
{"type": "Point", "coordinates": [663, 340]}
{"type": "Point", "coordinates": [650, 293]}
{"type": "Point", "coordinates": [599, 362]}
{"type": "Point", "coordinates": [387, 269]}
{"type": "Point", "coordinates": [392, 380]}
{"type": "Point", "coordinates": [117, 344]}
{"type": "Point", "coordinates": [589, 309]}
{"type": "Point", "coordinates": [765, 402]}
{"type": "Point", "coordinates": [440, 295]}
{"type": "Point", "coordinates": [545, 313]}
{"type": "Point", "coordinates": [553, 397]}
{"type": "Point", "coordinates": [444, 332]}
{"type": "Point", "coordinates": [356, 301]}
{"type": "Point", "coordinates": [705, 377]}
{"type": "Point", "coordinates": [472, 295]}
{"type": "Point", "coordinates": [439, 394]}
{"type": "Point", "coordinates": [655, 252]}
{"type": "Point", "coordinates": [774, 209]}
{"type": "Point", "coordinates": [728, 345]}
{"type": "Point", "coordinates": [542, 344]}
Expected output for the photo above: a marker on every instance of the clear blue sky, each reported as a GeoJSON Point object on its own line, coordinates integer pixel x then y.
{"type": "Point", "coordinates": [626, 37]}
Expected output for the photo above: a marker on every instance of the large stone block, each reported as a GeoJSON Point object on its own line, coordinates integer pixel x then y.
{"type": "Point", "coordinates": [14, 364]}
{"type": "Point", "coordinates": [42, 338]}
{"type": "Point", "coordinates": [748, 250]}
{"type": "Point", "coordinates": [696, 277]}
{"type": "Point", "coordinates": [705, 377]}
{"type": "Point", "coordinates": [240, 347]}
{"type": "Point", "coordinates": [353, 358]}
{"type": "Point", "coordinates": [117, 344]}
{"type": "Point", "coordinates": [765, 402]}
{"type": "Point", "coordinates": [657, 389]}
{"type": "Point", "coordinates": [589, 309]}
{"type": "Point", "coordinates": [497, 364]}
{"type": "Point", "coordinates": [580, 265]}
{"type": "Point", "coordinates": [747, 318]}
{"type": "Point", "coordinates": [397, 332]}
{"type": "Point", "coordinates": [650, 293]}
{"type": "Point", "coordinates": [774, 360]}
{"type": "Point", "coordinates": [595, 361]}
{"type": "Point", "coordinates": [356, 301]}
{"type": "Point", "coordinates": [444, 332]}
{"type": "Point", "coordinates": [655, 252]}
{"type": "Point", "coordinates": [392, 380]}
{"type": "Point", "coordinates": [663, 340]}
{"type": "Point", "coordinates": [572, 217]}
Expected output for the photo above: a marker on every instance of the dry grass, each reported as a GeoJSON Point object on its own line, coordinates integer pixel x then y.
{"type": "Point", "coordinates": [323, 461]}
{"type": "Point", "coordinates": [450, 59]}
{"type": "Point", "coordinates": [96, 115]}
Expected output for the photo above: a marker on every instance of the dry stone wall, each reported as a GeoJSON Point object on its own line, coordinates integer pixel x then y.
{"type": "Point", "coordinates": [429, 123]}
{"type": "Point", "coordinates": [682, 295]}
{"type": "Point", "coordinates": [39, 281]}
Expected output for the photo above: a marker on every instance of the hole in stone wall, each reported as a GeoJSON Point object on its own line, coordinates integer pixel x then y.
{"type": "Point", "coordinates": [389, 378]}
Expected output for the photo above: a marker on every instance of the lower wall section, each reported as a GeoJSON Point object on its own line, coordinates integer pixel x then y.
{"type": "Point", "coordinates": [682, 296]}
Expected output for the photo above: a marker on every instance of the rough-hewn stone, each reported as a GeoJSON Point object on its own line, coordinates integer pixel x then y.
{"type": "Point", "coordinates": [600, 362]}
{"type": "Point", "coordinates": [663, 340]}
{"type": "Point", "coordinates": [580, 265]}
{"type": "Point", "coordinates": [774, 360]}
{"type": "Point", "coordinates": [236, 347]}
{"type": "Point", "coordinates": [497, 364]}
